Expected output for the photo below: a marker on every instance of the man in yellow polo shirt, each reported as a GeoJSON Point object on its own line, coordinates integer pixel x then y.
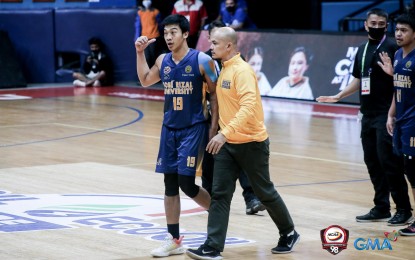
{"type": "Point", "coordinates": [242, 143]}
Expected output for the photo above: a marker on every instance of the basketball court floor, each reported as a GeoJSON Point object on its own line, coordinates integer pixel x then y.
{"type": "Point", "coordinates": [77, 180]}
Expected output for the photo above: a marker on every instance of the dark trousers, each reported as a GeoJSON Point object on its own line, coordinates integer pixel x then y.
{"type": "Point", "coordinates": [385, 169]}
{"type": "Point", "coordinates": [207, 178]}
{"type": "Point", "coordinates": [253, 159]}
{"type": "Point", "coordinates": [410, 170]}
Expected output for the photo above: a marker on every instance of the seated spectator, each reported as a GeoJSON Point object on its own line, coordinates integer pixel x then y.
{"type": "Point", "coordinates": [235, 15]}
{"type": "Point", "coordinates": [97, 68]}
{"type": "Point", "coordinates": [195, 12]}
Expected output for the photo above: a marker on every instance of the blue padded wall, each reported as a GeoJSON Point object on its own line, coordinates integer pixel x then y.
{"type": "Point", "coordinates": [32, 35]}
{"type": "Point", "coordinates": [115, 27]}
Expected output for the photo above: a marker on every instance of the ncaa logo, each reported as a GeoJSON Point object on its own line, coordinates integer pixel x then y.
{"type": "Point", "coordinates": [334, 239]}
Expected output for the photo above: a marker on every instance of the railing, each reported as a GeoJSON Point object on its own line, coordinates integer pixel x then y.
{"type": "Point", "coordinates": [352, 23]}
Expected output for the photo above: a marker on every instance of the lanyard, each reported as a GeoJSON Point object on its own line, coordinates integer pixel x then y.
{"type": "Point", "coordinates": [364, 53]}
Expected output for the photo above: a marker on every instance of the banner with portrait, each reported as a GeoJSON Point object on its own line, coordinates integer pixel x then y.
{"type": "Point", "coordinates": [329, 59]}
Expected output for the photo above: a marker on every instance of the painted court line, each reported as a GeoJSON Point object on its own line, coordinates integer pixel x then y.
{"type": "Point", "coordinates": [317, 159]}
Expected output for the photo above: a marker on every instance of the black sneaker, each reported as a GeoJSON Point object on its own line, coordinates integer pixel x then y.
{"type": "Point", "coordinates": [409, 231]}
{"type": "Point", "coordinates": [401, 218]}
{"type": "Point", "coordinates": [254, 206]}
{"type": "Point", "coordinates": [374, 216]}
{"type": "Point", "coordinates": [204, 252]}
{"type": "Point", "coordinates": [286, 243]}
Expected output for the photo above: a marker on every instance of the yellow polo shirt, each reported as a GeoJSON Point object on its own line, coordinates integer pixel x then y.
{"type": "Point", "coordinates": [241, 117]}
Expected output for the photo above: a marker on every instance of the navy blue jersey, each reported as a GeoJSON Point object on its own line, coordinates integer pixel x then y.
{"type": "Point", "coordinates": [404, 76]}
{"type": "Point", "coordinates": [185, 98]}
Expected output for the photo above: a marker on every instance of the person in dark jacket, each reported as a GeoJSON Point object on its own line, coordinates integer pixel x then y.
{"type": "Point", "coordinates": [97, 68]}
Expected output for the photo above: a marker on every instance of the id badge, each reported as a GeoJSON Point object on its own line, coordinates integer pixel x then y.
{"type": "Point", "coordinates": [365, 86]}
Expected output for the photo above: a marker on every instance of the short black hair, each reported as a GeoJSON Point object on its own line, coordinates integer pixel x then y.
{"type": "Point", "coordinates": [378, 12]}
{"type": "Point", "coordinates": [408, 17]}
{"type": "Point", "coordinates": [177, 19]}
{"type": "Point", "coordinates": [96, 40]}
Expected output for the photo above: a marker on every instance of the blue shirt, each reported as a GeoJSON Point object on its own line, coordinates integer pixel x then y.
{"type": "Point", "coordinates": [239, 16]}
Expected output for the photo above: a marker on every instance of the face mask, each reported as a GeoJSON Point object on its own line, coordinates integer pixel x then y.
{"type": "Point", "coordinates": [146, 4]}
{"type": "Point", "coordinates": [230, 9]}
{"type": "Point", "coordinates": [376, 33]}
{"type": "Point", "coordinates": [95, 53]}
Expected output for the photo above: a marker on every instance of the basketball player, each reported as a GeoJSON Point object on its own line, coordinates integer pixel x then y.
{"type": "Point", "coordinates": [401, 116]}
{"type": "Point", "coordinates": [184, 131]}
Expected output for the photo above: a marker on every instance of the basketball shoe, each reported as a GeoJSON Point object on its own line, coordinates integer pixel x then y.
{"type": "Point", "coordinates": [409, 231]}
{"type": "Point", "coordinates": [170, 246]}
{"type": "Point", "coordinates": [204, 252]}
{"type": "Point", "coordinates": [286, 243]}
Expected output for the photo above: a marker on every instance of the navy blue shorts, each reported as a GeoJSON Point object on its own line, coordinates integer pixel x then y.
{"type": "Point", "coordinates": [404, 138]}
{"type": "Point", "coordinates": [181, 150]}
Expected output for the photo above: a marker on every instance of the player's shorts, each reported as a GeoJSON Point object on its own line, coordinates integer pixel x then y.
{"type": "Point", "coordinates": [181, 150]}
{"type": "Point", "coordinates": [404, 138]}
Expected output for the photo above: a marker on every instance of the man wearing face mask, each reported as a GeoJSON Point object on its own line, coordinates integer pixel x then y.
{"type": "Point", "coordinates": [376, 91]}
{"type": "Point", "coordinates": [235, 15]}
{"type": "Point", "coordinates": [97, 68]}
{"type": "Point", "coordinates": [147, 23]}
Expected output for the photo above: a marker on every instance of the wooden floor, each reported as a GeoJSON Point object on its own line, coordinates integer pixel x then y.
{"type": "Point", "coordinates": [77, 179]}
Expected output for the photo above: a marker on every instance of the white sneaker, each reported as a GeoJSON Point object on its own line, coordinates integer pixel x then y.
{"type": "Point", "coordinates": [96, 83]}
{"type": "Point", "coordinates": [79, 83]}
{"type": "Point", "coordinates": [170, 246]}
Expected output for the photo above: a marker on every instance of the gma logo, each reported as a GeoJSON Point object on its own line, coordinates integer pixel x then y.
{"type": "Point", "coordinates": [363, 244]}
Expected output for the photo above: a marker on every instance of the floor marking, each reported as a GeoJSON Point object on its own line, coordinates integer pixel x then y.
{"type": "Point", "coordinates": [318, 159]}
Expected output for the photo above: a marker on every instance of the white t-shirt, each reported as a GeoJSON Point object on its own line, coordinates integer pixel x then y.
{"type": "Point", "coordinates": [300, 91]}
{"type": "Point", "coordinates": [263, 84]}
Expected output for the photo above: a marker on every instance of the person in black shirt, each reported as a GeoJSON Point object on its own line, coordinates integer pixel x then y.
{"type": "Point", "coordinates": [97, 68]}
{"type": "Point", "coordinates": [376, 92]}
